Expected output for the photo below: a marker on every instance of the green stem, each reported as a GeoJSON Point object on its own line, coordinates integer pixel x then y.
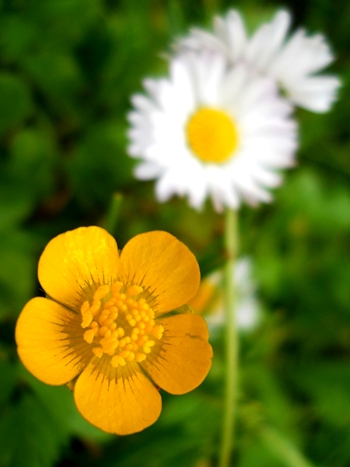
{"type": "Point", "coordinates": [231, 340]}
{"type": "Point", "coordinates": [113, 213]}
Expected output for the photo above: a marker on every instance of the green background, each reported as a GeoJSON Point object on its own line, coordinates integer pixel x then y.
{"type": "Point", "coordinates": [67, 71]}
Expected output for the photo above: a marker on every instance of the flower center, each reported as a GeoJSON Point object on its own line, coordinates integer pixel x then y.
{"type": "Point", "coordinates": [120, 324]}
{"type": "Point", "coordinates": [212, 135]}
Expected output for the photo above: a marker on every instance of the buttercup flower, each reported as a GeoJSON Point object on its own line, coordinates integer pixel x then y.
{"type": "Point", "coordinates": [106, 325]}
{"type": "Point", "coordinates": [292, 62]}
{"type": "Point", "coordinates": [210, 130]}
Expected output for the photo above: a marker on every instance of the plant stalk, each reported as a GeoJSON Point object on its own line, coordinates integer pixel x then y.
{"type": "Point", "coordinates": [231, 340]}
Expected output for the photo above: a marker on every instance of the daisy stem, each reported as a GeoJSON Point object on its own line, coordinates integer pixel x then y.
{"type": "Point", "coordinates": [231, 340]}
{"type": "Point", "coordinates": [113, 213]}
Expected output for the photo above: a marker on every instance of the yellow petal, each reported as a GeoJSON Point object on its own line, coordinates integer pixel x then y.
{"type": "Point", "coordinates": [118, 400]}
{"type": "Point", "coordinates": [50, 342]}
{"type": "Point", "coordinates": [182, 359]}
{"type": "Point", "coordinates": [163, 265]}
{"type": "Point", "coordinates": [74, 264]}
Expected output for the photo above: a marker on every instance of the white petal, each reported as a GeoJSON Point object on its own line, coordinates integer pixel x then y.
{"type": "Point", "coordinates": [181, 81]}
{"type": "Point", "coordinates": [316, 93]}
{"type": "Point", "coordinates": [301, 56]}
{"type": "Point", "coordinates": [197, 40]}
{"type": "Point", "coordinates": [266, 177]}
{"type": "Point", "coordinates": [222, 190]}
{"type": "Point", "coordinates": [267, 40]}
{"type": "Point", "coordinates": [147, 171]}
{"type": "Point", "coordinates": [231, 31]}
{"type": "Point", "coordinates": [208, 69]}
{"type": "Point", "coordinates": [235, 79]}
{"type": "Point", "coordinates": [269, 52]}
{"type": "Point", "coordinates": [165, 187]}
{"type": "Point", "coordinates": [197, 191]}
{"type": "Point", "coordinates": [142, 103]}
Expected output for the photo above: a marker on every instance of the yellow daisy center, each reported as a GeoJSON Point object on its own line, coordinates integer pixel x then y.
{"type": "Point", "coordinates": [120, 324]}
{"type": "Point", "coordinates": [212, 135]}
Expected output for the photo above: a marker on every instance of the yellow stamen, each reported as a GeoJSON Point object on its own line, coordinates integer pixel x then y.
{"type": "Point", "coordinates": [87, 319]}
{"type": "Point", "coordinates": [120, 324]}
{"type": "Point", "coordinates": [140, 357]}
{"type": "Point", "coordinates": [158, 331]}
{"type": "Point", "coordinates": [85, 307]}
{"type": "Point", "coordinates": [134, 290]}
{"type": "Point", "coordinates": [89, 336]}
{"type": "Point", "coordinates": [98, 352]}
{"type": "Point", "coordinates": [117, 360]}
{"type": "Point", "coordinates": [212, 135]}
{"type": "Point", "coordinates": [101, 292]}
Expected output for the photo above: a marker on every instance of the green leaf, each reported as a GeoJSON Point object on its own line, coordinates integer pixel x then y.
{"type": "Point", "coordinates": [29, 437]}
{"type": "Point", "coordinates": [16, 103]}
{"type": "Point", "coordinates": [283, 449]}
{"type": "Point", "coordinates": [15, 204]}
{"type": "Point", "coordinates": [58, 77]}
{"type": "Point", "coordinates": [19, 36]}
{"type": "Point", "coordinates": [59, 403]}
{"type": "Point", "coordinates": [8, 377]}
{"type": "Point", "coordinates": [17, 270]}
{"type": "Point", "coordinates": [33, 152]}
{"type": "Point", "coordinates": [328, 383]}
{"type": "Point", "coordinates": [100, 166]}
{"type": "Point", "coordinates": [265, 386]}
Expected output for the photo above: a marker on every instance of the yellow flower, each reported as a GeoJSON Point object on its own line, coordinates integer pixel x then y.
{"type": "Point", "coordinates": [105, 325]}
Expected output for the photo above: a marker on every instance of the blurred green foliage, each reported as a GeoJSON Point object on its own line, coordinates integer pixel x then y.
{"type": "Point", "coordinates": [67, 70]}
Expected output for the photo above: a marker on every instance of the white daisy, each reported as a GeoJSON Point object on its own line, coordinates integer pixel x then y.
{"type": "Point", "coordinates": [292, 62]}
{"type": "Point", "coordinates": [211, 131]}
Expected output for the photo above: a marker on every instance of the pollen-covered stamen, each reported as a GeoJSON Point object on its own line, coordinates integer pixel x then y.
{"type": "Point", "coordinates": [120, 324]}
